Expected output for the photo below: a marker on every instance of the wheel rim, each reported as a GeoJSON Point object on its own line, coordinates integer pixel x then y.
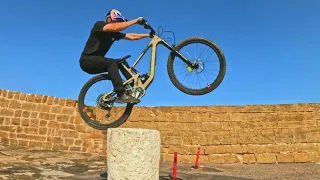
{"type": "Point", "coordinates": [93, 113]}
{"type": "Point", "coordinates": [204, 79]}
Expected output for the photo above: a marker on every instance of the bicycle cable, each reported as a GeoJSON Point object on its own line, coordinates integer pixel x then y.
{"type": "Point", "coordinates": [168, 39]}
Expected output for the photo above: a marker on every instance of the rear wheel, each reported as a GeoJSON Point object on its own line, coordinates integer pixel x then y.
{"type": "Point", "coordinates": [101, 115]}
{"type": "Point", "coordinates": [205, 80]}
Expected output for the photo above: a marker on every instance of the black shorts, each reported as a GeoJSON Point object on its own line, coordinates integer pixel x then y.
{"type": "Point", "coordinates": [96, 64]}
{"type": "Point", "coordinates": [99, 64]}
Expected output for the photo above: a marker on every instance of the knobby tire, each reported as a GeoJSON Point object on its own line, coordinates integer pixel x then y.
{"type": "Point", "coordinates": [86, 118]}
{"type": "Point", "coordinates": [214, 84]}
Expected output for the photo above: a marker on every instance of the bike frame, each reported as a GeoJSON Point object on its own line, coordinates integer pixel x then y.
{"type": "Point", "coordinates": [153, 44]}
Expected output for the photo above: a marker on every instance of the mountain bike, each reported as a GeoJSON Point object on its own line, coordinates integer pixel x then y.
{"type": "Point", "coordinates": [138, 84]}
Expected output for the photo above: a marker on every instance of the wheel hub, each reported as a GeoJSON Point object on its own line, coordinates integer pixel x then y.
{"type": "Point", "coordinates": [197, 65]}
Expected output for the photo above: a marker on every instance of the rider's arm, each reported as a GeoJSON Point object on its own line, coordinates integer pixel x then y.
{"type": "Point", "coordinates": [134, 36]}
{"type": "Point", "coordinates": [119, 26]}
{"type": "Point", "coordinates": [118, 35]}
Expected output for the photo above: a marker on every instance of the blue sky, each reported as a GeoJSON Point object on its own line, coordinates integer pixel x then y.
{"type": "Point", "coordinates": [271, 47]}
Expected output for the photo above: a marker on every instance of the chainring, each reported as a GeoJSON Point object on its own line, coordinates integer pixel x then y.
{"type": "Point", "coordinates": [103, 104]}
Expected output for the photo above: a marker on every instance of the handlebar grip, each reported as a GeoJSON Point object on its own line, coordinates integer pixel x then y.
{"type": "Point", "coordinates": [147, 26]}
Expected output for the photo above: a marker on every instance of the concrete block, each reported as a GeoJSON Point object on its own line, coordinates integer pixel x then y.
{"type": "Point", "coordinates": [133, 154]}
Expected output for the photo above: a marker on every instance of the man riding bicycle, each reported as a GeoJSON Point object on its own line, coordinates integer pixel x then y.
{"type": "Point", "coordinates": [102, 36]}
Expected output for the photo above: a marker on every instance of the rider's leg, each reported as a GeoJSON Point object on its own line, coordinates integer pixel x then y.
{"type": "Point", "coordinates": [122, 96]}
{"type": "Point", "coordinates": [115, 77]}
{"type": "Point", "coordinates": [98, 64]}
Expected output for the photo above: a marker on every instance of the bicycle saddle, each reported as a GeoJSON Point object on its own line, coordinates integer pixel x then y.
{"type": "Point", "coordinates": [120, 60]}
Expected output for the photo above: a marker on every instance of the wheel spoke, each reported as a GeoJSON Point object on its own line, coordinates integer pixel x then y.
{"type": "Point", "coordinates": [95, 113]}
{"type": "Point", "coordinates": [201, 49]}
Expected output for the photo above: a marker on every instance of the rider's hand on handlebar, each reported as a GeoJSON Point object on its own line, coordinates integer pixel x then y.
{"type": "Point", "coordinates": [141, 21]}
{"type": "Point", "coordinates": [151, 34]}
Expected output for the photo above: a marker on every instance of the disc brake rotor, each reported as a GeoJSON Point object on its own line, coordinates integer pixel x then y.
{"type": "Point", "coordinates": [105, 101]}
{"type": "Point", "coordinates": [198, 66]}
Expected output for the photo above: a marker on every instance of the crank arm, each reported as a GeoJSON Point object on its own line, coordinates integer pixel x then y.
{"type": "Point", "coordinates": [108, 113]}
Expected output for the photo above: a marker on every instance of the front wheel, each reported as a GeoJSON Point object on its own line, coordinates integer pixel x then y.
{"type": "Point", "coordinates": [100, 114]}
{"type": "Point", "coordinates": [201, 74]}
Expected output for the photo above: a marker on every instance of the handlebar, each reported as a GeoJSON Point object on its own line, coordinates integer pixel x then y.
{"type": "Point", "coordinates": [147, 26]}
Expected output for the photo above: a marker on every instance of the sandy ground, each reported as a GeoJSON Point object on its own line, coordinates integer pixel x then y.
{"type": "Point", "coordinates": [31, 164]}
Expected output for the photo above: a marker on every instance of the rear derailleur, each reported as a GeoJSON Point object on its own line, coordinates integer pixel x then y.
{"type": "Point", "coordinates": [105, 102]}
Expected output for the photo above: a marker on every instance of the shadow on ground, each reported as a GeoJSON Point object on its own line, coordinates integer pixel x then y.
{"type": "Point", "coordinates": [104, 176]}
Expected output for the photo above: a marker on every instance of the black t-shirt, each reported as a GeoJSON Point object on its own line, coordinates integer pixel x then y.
{"type": "Point", "coordinates": [99, 42]}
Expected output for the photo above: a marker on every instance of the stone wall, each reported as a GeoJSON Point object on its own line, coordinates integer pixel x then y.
{"type": "Point", "coordinates": [225, 134]}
